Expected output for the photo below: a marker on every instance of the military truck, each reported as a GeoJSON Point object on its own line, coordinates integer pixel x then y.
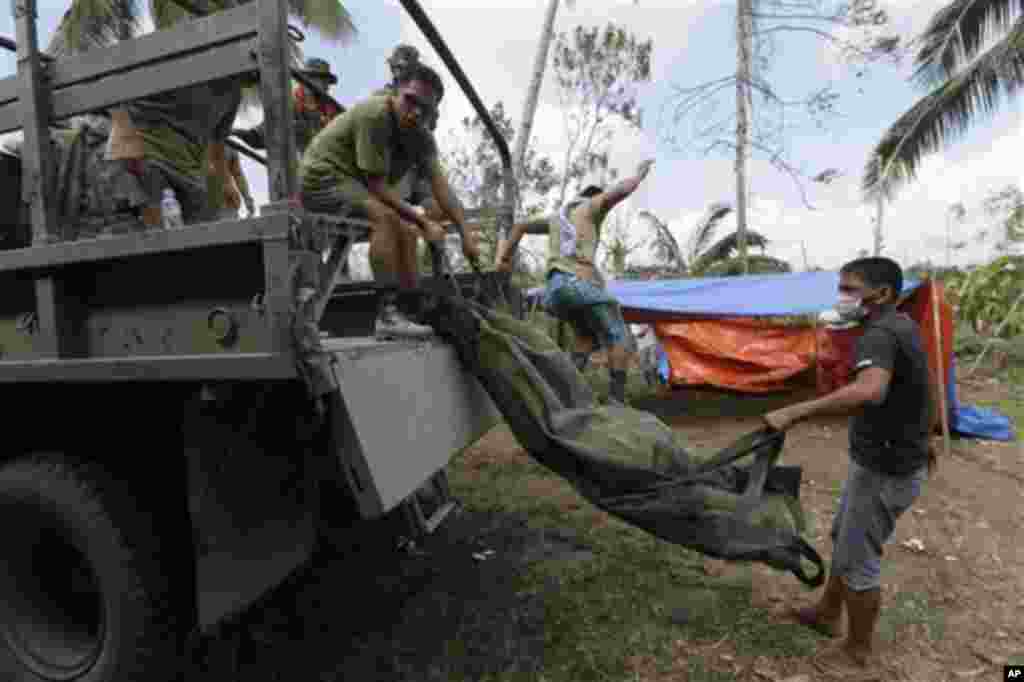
{"type": "Point", "coordinates": [189, 412]}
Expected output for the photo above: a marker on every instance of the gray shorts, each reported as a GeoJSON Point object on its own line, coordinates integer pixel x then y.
{"type": "Point", "coordinates": [869, 506]}
{"type": "Point", "coordinates": [414, 187]}
{"type": "Point", "coordinates": [351, 194]}
{"type": "Point", "coordinates": [332, 197]}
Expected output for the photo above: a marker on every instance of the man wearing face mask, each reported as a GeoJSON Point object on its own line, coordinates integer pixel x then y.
{"type": "Point", "coordinates": [890, 454]}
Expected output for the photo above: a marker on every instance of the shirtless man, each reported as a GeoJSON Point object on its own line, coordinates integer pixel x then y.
{"type": "Point", "coordinates": [575, 291]}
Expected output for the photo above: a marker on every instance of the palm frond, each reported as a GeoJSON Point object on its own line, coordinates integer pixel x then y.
{"type": "Point", "coordinates": [724, 248]}
{"type": "Point", "coordinates": [88, 24]}
{"type": "Point", "coordinates": [955, 35]}
{"type": "Point", "coordinates": [664, 244]}
{"type": "Point", "coordinates": [945, 114]}
{"type": "Point", "coordinates": [704, 231]}
{"type": "Point", "coordinates": [756, 265]}
{"type": "Point", "coordinates": [328, 17]}
{"type": "Point", "coordinates": [167, 13]}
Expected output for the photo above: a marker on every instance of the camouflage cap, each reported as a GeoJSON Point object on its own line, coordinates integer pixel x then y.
{"type": "Point", "coordinates": [404, 53]}
{"type": "Point", "coordinates": [319, 68]}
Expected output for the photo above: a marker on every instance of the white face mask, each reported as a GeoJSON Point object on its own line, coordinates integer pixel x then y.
{"type": "Point", "coordinates": [850, 308]}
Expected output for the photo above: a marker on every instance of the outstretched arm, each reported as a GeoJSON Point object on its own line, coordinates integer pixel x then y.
{"type": "Point", "coordinates": [609, 199]}
{"type": "Point", "coordinates": [870, 387]}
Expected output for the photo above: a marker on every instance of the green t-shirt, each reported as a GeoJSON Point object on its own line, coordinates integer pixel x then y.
{"type": "Point", "coordinates": [366, 140]}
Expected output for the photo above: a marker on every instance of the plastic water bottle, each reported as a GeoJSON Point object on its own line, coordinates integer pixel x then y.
{"type": "Point", "coordinates": [170, 209]}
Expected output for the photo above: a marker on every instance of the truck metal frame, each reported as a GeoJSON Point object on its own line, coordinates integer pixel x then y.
{"type": "Point", "coordinates": [210, 393]}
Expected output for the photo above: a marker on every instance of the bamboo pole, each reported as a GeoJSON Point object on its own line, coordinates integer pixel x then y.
{"type": "Point", "coordinates": [940, 367]}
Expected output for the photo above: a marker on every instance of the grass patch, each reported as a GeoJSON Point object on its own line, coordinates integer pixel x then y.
{"type": "Point", "coordinates": [622, 605]}
{"type": "Point", "coordinates": [637, 388]}
{"type": "Point", "coordinates": [911, 608]}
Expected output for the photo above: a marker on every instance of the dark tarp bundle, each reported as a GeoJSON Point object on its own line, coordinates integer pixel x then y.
{"type": "Point", "coordinates": [627, 462]}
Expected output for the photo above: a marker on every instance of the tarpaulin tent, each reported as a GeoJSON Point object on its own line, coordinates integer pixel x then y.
{"type": "Point", "coordinates": [726, 332]}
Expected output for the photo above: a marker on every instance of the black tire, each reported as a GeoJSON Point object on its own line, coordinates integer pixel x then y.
{"type": "Point", "coordinates": [85, 588]}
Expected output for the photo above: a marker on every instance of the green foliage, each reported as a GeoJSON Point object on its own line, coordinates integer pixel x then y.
{"type": "Point", "coordinates": [969, 56]}
{"type": "Point", "coordinates": [986, 296]}
{"type": "Point", "coordinates": [89, 24]}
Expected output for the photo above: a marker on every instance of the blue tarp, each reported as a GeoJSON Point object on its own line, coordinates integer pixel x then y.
{"type": "Point", "coordinates": [798, 293]}
{"type": "Point", "coordinates": [972, 421]}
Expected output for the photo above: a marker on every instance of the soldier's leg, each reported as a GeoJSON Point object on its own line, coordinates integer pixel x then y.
{"type": "Point", "coordinates": [606, 323]}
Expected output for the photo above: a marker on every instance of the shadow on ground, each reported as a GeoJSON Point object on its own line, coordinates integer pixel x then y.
{"type": "Point", "coordinates": [435, 613]}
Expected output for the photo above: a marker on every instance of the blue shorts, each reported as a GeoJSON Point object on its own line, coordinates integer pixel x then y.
{"type": "Point", "coordinates": [868, 509]}
{"type": "Point", "coordinates": [587, 307]}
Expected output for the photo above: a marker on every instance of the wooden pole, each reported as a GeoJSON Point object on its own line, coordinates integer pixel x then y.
{"type": "Point", "coordinates": [940, 367]}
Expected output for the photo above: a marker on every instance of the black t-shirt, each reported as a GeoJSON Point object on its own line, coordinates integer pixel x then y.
{"type": "Point", "coordinates": [892, 438]}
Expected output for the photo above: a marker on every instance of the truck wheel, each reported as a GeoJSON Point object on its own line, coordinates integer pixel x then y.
{"type": "Point", "coordinates": [83, 595]}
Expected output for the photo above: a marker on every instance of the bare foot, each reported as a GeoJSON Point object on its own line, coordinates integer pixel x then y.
{"type": "Point", "coordinates": [843, 660]}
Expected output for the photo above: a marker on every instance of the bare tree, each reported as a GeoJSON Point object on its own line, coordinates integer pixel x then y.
{"type": "Point", "coordinates": [761, 119]}
{"type": "Point", "coordinates": [597, 71]}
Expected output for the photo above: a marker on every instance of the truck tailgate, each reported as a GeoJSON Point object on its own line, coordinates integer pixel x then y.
{"type": "Point", "coordinates": [408, 407]}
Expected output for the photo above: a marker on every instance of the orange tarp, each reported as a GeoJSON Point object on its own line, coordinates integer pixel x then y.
{"type": "Point", "coordinates": [738, 353]}
{"type": "Point", "coordinates": [757, 356]}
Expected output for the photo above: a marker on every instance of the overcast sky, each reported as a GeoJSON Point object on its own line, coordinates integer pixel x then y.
{"type": "Point", "coordinates": [693, 43]}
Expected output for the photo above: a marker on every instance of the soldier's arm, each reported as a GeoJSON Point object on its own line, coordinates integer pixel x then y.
{"type": "Point", "coordinates": [445, 197]}
{"type": "Point", "coordinates": [606, 201]}
{"type": "Point", "coordinates": [452, 207]}
{"type": "Point", "coordinates": [507, 247]}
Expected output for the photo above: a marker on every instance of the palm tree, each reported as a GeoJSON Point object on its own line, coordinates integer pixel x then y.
{"type": "Point", "coordinates": [96, 23]}
{"type": "Point", "coordinates": [540, 64]}
{"type": "Point", "coordinates": [964, 82]}
{"type": "Point", "coordinates": [702, 256]}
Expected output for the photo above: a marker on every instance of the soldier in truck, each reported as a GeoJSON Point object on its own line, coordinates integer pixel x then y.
{"type": "Point", "coordinates": [415, 186]}
{"type": "Point", "coordinates": [176, 140]}
{"type": "Point", "coordinates": [355, 164]}
{"type": "Point", "coordinates": [311, 113]}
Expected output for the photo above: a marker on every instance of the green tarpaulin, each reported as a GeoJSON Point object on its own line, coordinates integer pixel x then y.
{"type": "Point", "coordinates": [628, 462]}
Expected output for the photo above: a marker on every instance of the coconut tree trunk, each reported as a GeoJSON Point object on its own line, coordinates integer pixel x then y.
{"type": "Point", "coordinates": [540, 63]}
{"type": "Point", "coordinates": [880, 206]}
{"type": "Point", "coordinates": [744, 40]}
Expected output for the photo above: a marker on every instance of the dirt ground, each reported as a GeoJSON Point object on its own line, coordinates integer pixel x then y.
{"type": "Point", "coordinates": [955, 564]}
{"type": "Point", "coordinates": [953, 574]}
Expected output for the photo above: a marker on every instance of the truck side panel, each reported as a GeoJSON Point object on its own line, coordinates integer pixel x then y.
{"type": "Point", "coordinates": [411, 406]}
